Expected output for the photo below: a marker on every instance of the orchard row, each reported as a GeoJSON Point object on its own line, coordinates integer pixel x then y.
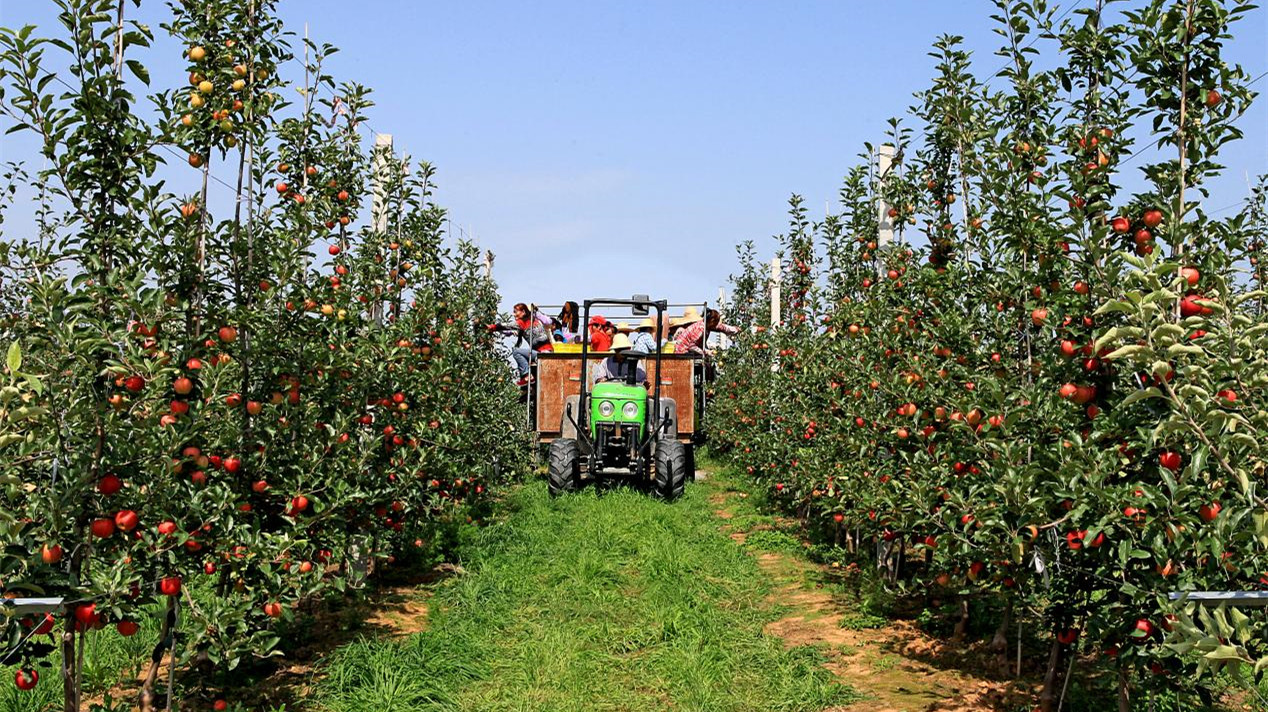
{"type": "Point", "coordinates": [1044, 394]}
{"type": "Point", "coordinates": [215, 413]}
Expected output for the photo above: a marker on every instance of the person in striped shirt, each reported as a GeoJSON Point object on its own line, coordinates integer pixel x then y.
{"type": "Point", "coordinates": [690, 339]}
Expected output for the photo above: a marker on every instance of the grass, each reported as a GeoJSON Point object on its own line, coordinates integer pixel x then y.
{"type": "Point", "coordinates": [605, 600]}
{"type": "Point", "coordinates": [862, 621]}
{"type": "Point", "coordinates": [107, 658]}
{"type": "Point", "coordinates": [774, 541]}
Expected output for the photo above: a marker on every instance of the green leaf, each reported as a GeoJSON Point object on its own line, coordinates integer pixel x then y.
{"type": "Point", "coordinates": [14, 359]}
{"type": "Point", "coordinates": [1185, 349]}
{"type": "Point", "coordinates": [1150, 392]}
{"type": "Point", "coordinates": [1105, 338]}
{"type": "Point", "coordinates": [1224, 652]}
{"type": "Point", "coordinates": [1114, 306]}
{"type": "Point", "coordinates": [139, 71]}
{"type": "Point", "coordinates": [1124, 351]}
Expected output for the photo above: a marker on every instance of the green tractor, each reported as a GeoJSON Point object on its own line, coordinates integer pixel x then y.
{"type": "Point", "coordinates": [621, 429]}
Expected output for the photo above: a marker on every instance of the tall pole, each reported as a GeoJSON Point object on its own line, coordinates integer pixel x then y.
{"type": "Point", "coordinates": [885, 224]}
{"type": "Point", "coordinates": [382, 152]}
{"type": "Point", "coordinates": [724, 341]}
{"type": "Point", "coordinates": [775, 297]}
{"type": "Point", "coordinates": [381, 163]}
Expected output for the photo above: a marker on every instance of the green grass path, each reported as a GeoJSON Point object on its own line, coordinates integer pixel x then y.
{"type": "Point", "coordinates": [596, 601]}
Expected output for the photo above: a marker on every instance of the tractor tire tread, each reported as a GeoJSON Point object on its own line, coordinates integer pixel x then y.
{"type": "Point", "coordinates": [562, 467]}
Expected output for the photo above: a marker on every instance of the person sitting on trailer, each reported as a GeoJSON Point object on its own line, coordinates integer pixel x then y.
{"type": "Point", "coordinates": [643, 340]}
{"type": "Point", "coordinates": [617, 367]}
{"type": "Point", "coordinates": [531, 337]}
{"type": "Point", "coordinates": [599, 338]}
{"type": "Point", "coordinates": [566, 324]}
{"type": "Point", "coordinates": [690, 339]}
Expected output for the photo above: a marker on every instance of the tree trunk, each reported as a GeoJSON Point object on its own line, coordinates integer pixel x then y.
{"type": "Point", "coordinates": [1124, 689]}
{"type": "Point", "coordinates": [70, 682]}
{"type": "Point", "coordinates": [962, 625]}
{"type": "Point", "coordinates": [1051, 680]}
{"type": "Point", "coordinates": [146, 700]}
{"type": "Point", "coordinates": [999, 642]}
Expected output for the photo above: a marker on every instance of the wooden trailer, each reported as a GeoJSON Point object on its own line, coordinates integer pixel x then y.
{"type": "Point", "coordinates": [559, 377]}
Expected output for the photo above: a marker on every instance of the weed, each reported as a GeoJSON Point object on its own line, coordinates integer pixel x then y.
{"type": "Point", "coordinates": [888, 662]}
{"type": "Point", "coordinates": [773, 541]}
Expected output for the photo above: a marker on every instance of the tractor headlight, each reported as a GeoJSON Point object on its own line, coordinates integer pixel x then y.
{"type": "Point", "coordinates": [630, 410]}
{"type": "Point", "coordinates": [606, 409]}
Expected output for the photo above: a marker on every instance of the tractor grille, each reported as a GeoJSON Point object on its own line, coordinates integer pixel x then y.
{"type": "Point", "coordinates": [617, 443]}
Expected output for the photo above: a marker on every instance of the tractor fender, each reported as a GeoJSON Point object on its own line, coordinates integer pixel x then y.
{"type": "Point", "coordinates": [567, 427]}
{"type": "Point", "coordinates": [669, 411]}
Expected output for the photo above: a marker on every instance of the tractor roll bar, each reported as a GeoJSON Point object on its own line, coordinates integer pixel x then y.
{"type": "Point", "coordinates": [585, 373]}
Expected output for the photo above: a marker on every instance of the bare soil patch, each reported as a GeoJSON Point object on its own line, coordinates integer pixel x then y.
{"type": "Point", "coordinates": [898, 667]}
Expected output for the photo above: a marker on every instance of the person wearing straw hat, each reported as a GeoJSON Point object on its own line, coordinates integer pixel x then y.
{"type": "Point", "coordinates": [689, 316]}
{"type": "Point", "coordinates": [617, 367]}
{"type": "Point", "coordinates": [690, 338]}
{"type": "Point", "coordinates": [643, 340]}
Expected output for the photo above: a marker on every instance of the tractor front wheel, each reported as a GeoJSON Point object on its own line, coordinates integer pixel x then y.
{"type": "Point", "coordinates": [562, 471]}
{"type": "Point", "coordinates": [671, 468]}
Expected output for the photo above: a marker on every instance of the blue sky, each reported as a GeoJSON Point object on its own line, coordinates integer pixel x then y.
{"type": "Point", "coordinates": [604, 148]}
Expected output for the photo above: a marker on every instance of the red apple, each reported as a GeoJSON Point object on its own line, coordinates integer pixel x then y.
{"type": "Point", "coordinates": [109, 485]}
{"type": "Point", "coordinates": [1208, 512]}
{"type": "Point", "coordinates": [126, 520]}
{"type": "Point", "coordinates": [1143, 629]}
{"type": "Point", "coordinates": [170, 585]}
{"type": "Point", "coordinates": [26, 679]}
{"type": "Point", "coordinates": [102, 528]}
{"type": "Point", "coordinates": [1170, 460]}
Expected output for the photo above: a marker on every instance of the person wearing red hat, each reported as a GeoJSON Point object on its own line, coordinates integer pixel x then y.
{"type": "Point", "coordinates": [600, 333]}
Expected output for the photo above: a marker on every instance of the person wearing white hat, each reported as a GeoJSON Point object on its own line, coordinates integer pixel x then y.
{"type": "Point", "coordinates": [643, 340]}
{"type": "Point", "coordinates": [616, 367]}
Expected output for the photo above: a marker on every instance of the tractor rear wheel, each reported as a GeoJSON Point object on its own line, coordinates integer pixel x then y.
{"type": "Point", "coordinates": [671, 468]}
{"type": "Point", "coordinates": [562, 469]}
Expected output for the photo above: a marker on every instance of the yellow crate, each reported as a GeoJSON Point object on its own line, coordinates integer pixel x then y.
{"type": "Point", "coordinates": [562, 348]}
